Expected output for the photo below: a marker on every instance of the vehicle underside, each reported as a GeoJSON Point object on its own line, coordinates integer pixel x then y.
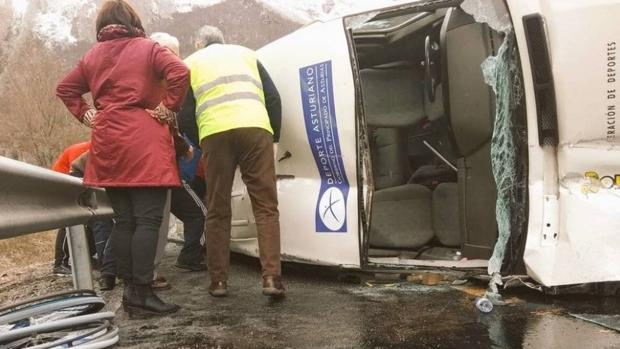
{"type": "Point", "coordinates": [425, 142]}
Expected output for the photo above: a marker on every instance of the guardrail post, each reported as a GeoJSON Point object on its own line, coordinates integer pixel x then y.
{"type": "Point", "coordinates": [80, 258]}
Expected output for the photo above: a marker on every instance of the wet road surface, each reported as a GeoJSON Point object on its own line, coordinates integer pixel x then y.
{"type": "Point", "coordinates": [324, 310]}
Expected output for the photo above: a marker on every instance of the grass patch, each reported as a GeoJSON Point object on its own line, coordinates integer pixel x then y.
{"type": "Point", "coordinates": [27, 250]}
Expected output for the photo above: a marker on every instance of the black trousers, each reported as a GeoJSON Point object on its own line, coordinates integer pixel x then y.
{"type": "Point", "coordinates": [187, 206]}
{"type": "Point", "coordinates": [97, 233]}
{"type": "Point", "coordinates": [138, 215]}
{"type": "Point", "coordinates": [101, 231]}
{"type": "Point", "coordinates": [96, 230]}
{"type": "Point", "coordinates": [61, 250]}
{"type": "Point", "coordinates": [199, 186]}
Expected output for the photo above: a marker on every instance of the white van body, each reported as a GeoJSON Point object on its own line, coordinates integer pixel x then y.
{"type": "Point", "coordinates": [326, 187]}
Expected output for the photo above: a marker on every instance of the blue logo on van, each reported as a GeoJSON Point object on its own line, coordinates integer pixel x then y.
{"type": "Point", "coordinates": [317, 94]}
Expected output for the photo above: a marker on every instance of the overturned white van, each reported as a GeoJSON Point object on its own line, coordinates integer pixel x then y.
{"type": "Point", "coordinates": [449, 134]}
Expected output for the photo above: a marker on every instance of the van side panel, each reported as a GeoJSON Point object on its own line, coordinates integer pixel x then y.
{"type": "Point", "coordinates": [317, 173]}
{"type": "Point", "coordinates": [582, 37]}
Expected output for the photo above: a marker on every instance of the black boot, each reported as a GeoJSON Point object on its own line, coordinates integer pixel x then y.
{"type": "Point", "coordinates": [128, 292]}
{"type": "Point", "coordinates": [107, 282]}
{"type": "Point", "coordinates": [143, 299]}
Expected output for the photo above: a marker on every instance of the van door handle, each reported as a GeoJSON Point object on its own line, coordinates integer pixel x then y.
{"type": "Point", "coordinates": [287, 154]}
{"type": "Point", "coordinates": [280, 177]}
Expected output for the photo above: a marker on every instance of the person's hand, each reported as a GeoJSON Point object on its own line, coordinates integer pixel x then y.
{"type": "Point", "coordinates": [190, 154]}
{"type": "Point", "coordinates": [162, 114]}
{"type": "Point", "coordinates": [89, 117]}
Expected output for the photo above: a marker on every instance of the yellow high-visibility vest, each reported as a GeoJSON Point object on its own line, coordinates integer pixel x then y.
{"type": "Point", "coordinates": [228, 89]}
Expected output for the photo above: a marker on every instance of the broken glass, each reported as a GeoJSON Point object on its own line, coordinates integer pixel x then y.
{"type": "Point", "coordinates": [492, 12]}
{"type": "Point", "coordinates": [389, 24]}
{"type": "Point", "coordinates": [356, 22]}
{"type": "Point", "coordinates": [502, 72]}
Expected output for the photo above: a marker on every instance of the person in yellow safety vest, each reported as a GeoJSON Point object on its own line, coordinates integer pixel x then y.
{"type": "Point", "coordinates": [236, 108]}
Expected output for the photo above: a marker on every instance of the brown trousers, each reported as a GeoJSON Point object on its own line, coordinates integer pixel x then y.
{"type": "Point", "coordinates": [252, 150]}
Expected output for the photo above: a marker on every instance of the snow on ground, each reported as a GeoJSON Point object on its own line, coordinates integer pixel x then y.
{"type": "Point", "coordinates": [305, 11]}
{"type": "Point", "coordinates": [19, 7]}
{"type": "Point", "coordinates": [184, 6]}
{"type": "Point", "coordinates": [55, 24]}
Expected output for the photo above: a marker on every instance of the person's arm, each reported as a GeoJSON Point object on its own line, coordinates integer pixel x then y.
{"type": "Point", "coordinates": [187, 118]}
{"type": "Point", "coordinates": [62, 164]}
{"type": "Point", "coordinates": [71, 89]}
{"type": "Point", "coordinates": [79, 164]}
{"type": "Point", "coordinates": [272, 102]}
{"type": "Point", "coordinates": [175, 72]}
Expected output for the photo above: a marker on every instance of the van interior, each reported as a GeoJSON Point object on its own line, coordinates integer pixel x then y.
{"type": "Point", "coordinates": [428, 118]}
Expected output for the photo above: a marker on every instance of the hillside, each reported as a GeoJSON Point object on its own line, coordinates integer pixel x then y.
{"type": "Point", "coordinates": [42, 39]}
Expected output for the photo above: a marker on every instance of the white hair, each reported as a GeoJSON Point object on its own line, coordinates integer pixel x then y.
{"type": "Point", "coordinates": [166, 40]}
{"type": "Point", "coordinates": [208, 35]}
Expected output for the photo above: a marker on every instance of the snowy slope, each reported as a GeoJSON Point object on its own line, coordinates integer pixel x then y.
{"type": "Point", "coordinates": [305, 11]}
{"type": "Point", "coordinates": [187, 5]}
{"type": "Point", "coordinates": [55, 25]}
{"type": "Point", "coordinates": [19, 7]}
{"type": "Point", "coordinates": [57, 22]}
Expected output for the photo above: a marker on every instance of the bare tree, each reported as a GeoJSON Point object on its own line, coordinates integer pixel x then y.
{"type": "Point", "coordinates": [37, 126]}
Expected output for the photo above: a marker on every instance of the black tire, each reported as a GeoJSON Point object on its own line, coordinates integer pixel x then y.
{"type": "Point", "coordinates": [70, 306]}
{"type": "Point", "coordinates": [32, 301]}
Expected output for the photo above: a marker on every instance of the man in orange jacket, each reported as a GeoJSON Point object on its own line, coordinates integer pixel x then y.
{"type": "Point", "coordinates": [63, 165]}
{"type": "Point", "coordinates": [72, 152]}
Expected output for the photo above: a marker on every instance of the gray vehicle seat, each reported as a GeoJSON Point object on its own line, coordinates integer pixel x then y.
{"type": "Point", "coordinates": [469, 105]}
{"type": "Point", "coordinates": [392, 97]}
{"type": "Point", "coordinates": [389, 156]}
{"type": "Point", "coordinates": [401, 213]}
{"type": "Point", "coordinates": [446, 214]}
{"type": "Point", "coordinates": [401, 217]}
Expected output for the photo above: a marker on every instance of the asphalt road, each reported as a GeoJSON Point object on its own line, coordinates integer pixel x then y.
{"type": "Point", "coordinates": [323, 309]}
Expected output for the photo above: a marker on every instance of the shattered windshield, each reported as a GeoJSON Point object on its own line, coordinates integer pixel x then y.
{"type": "Point", "coordinates": [503, 73]}
{"type": "Point", "coordinates": [494, 13]}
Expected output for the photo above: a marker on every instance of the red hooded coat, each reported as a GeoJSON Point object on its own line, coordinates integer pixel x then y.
{"type": "Point", "coordinates": [129, 148]}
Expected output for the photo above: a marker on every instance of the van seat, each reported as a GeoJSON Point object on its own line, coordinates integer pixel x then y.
{"type": "Point", "coordinates": [392, 97]}
{"type": "Point", "coordinates": [446, 214]}
{"type": "Point", "coordinates": [401, 217]}
{"type": "Point", "coordinates": [389, 157]}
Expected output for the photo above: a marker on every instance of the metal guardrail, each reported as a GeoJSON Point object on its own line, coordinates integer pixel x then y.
{"type": "Point", "coordinates": [35, 199]}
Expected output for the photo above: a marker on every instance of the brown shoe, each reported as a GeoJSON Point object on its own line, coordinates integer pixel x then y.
{"type": "Point", "coordinates": [272, 287]}
{"type": "Point", "coordinates": [218, 289]}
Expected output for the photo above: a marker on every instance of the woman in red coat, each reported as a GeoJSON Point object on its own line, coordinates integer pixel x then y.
{"type": "Point", "coordinates": [132, 152]}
